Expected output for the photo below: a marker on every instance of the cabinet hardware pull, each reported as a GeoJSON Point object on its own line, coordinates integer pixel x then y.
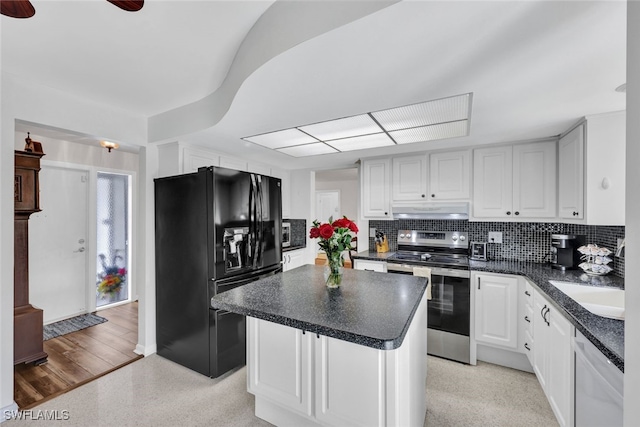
{"type": "Point", "coordinates": [508, 212]}
{"type": "Point", "coordinates": [423, 195]}
{"type": "Point", "coordinates": [368, 269]}
{"type": "Point", "coordinates": [526, 345]}
{"type": "Point", "coordinates": [545, 316]}
{"type": "Point", "coordinates": [527, 293]}
{"type": "Point", "coordinates": [541, 311]}
{"type": "Point", "coordinates": [478, 282]}
{"type": "Point", "coordinates": [303, 332]}
{"type": "Point", "coordinates": [527, 319]}
{"type": "Point", "coordinates": [318, 335]}
{"type": "Point", "coordinates": [385, 213]}
{"type": "Point", "coordinates": [517, 213]}
{"type": "Point", "coordinates": [433, 195]}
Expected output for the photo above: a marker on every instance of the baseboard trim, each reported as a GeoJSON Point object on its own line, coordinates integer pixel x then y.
{"type": "Point", "coordinates": [8, 411]}
{"type": "Point", "coordinates": [509, 359]}
{"type": "Point", "coordinates": [146, 350]}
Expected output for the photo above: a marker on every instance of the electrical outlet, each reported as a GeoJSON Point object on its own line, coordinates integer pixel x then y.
{"type": "Point", "coordinates": [495, 237]}
{"type": "Point", "coordinates": [372, 232]}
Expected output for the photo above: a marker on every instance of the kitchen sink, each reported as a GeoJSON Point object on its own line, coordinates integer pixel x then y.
{"type": "Point", "coordinates": [603, 301]}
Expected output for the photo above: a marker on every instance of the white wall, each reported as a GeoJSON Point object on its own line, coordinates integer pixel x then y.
{"type": "Point", "coordinates": [34, 103]}
{"type": "Point", "coordinates": [632, 231]}
{"type": "Point", "coordinates": [348, 193]}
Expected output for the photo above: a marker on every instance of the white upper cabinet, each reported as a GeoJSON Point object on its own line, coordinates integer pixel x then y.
{"type": "Point", "coordinates": [449, 175]}
{"type": "Point", "coordinates": [591, 173]}
{"type": "Point", "coordinates": [516, 181]}
{"type": "Point", "coordinates": [285, 187]}
{"type": "Point", "coordinates": [375, 188]}
{"type": "Point", "coordinates": [233, 163]}
{"type": "Point", "coordinates": [409, 178]}
{"type": "Point", "coordinates": [492, 182]}
{"type": "Point", "coordinates": [534, 180]}
{"type": "Point", "coordinates": [571, 174]}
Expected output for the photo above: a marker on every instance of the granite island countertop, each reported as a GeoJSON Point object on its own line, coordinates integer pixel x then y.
{"type": "Point", "coordinates": [371, 309]}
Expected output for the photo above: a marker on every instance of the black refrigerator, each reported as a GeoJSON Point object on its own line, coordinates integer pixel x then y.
{"type": "Point", "coordinates": [216, 229]}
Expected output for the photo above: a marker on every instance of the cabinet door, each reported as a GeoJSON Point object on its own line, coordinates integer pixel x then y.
{"type": "Point", "coordinates": [496, 310]}
{"type": "Point", "coordinates": [449, 175]}
{"type": "Point", "coordinates": [571, 174]}
{"type": "Point", "coordinates": [295, 259]}
{"type": "Point", "coordinates": [409, 178]}
{"type": "Point", "coordinates": [492, 180]}
{"type": "Point", "coordinates": [534, 180]}
{"type": "Point", "coordinates": [285, 187]}
{"type": "Point", "coordinates": [560, 379]}
{"type": "Point", "coordinates": [279, 364]}
{"type": "Point", "coordinates": [350, 383]}
{"type": "Point", "coordinates": [375, 188]}
{"type": "Point", "coordinates": [540, 335]}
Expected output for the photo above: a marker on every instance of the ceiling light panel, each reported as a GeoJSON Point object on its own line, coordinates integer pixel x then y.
{"type": "Point", "coordinates": [362, 142]}
{"type": "Point", "coordinates": [426, 113]}
{"type": "Point", "coordinates": [433, 132]}
{"type": "Point", "coordinates": [308, 150]}
{"type": "Point", "coordinates": [342, 128]}
{"type": "Point", "coordinates": [282, 138]}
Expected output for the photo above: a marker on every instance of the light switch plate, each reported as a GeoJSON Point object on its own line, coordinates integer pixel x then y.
{"type": "Point", "coordinates": [372, 232]}
{"type": "Point", "coordinates": [495, 237]}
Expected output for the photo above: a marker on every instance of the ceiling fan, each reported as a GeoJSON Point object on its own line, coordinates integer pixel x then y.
{"type": "Point", "coordinates": [24, 8]}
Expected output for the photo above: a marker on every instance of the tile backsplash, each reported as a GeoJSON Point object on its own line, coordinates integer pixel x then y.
{"type": "Point", "coordinates": [298, 232]}
{"type": "Point", "coordinates": [523, 241]}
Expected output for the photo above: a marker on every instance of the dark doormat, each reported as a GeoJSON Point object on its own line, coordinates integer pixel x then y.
{"type": "Point", "coordinates": [73, 324]}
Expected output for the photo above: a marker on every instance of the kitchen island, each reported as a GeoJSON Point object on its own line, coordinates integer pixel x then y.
{"type": "Point", "coordinates": [355, 355]}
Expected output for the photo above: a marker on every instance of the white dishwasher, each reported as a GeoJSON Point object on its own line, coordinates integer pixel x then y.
{"type": "Point", "coordinates": [599, 387]}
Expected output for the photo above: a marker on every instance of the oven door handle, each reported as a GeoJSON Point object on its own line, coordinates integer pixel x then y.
{"type": "Point", "coordinates": [435, 271]}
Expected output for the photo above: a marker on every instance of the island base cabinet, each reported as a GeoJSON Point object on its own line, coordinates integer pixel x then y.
{"type": "Point", "coordinates": [305, 379]}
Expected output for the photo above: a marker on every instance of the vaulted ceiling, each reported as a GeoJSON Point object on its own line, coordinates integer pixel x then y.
{"type": "Point", "coordinates": [534, 68]}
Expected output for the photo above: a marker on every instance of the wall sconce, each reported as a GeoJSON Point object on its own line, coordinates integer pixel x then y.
{"type": "Point", "coordinates": [109, 145]}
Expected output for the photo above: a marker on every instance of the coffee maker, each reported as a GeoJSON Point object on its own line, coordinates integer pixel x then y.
{"type": "Point", "coordinates": [564, 251]}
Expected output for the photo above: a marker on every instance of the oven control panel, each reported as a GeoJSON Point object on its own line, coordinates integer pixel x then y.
{"type": "Point", "coordinates": [449, 239]}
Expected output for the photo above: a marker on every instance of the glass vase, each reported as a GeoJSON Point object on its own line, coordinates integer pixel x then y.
{"type": "Point", "coordinates": [333, 270]}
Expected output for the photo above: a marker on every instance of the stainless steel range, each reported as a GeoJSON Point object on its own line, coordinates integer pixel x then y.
{"type": "Point", "coordinates": [446, 253]}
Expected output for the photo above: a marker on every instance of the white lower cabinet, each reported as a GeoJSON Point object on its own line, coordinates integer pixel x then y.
{"type": "Point", "coordinates": [292, 259]}
{"type": "Point", "coordinates": [369, 265]}
{"type": "Point", "coordinates": [496, 309]}
{"type": "Point", "coordinates": [308, 379]}
{"type": "Point", "coordinates": [553, 360]}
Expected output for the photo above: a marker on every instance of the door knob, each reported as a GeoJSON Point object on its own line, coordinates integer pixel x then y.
{"type": "Point", "coordinates": [80, 250]}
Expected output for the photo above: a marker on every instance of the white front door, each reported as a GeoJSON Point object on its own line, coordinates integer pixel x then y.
{"type": "Point", "coordinates": [58, 244]}
{"type": "Point", "coordinates": [327, 205]}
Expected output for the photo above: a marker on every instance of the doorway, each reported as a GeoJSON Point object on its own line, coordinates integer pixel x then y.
{"type": "Point", "coordinates": [328, 205]}
{"type": "Point", "coordinates": [112, 239]}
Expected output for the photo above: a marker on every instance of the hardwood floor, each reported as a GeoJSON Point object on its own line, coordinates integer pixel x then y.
{"type": "Point", "coordinates": [80, 357]}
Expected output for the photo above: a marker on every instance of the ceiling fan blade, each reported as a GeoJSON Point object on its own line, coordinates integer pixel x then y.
{"type": "Point", "coordinates": [17, 8]}
{"type": "Point", "coordinates": [128, 5]}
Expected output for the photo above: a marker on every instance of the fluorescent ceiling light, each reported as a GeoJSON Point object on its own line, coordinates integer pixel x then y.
{"type": "Point", "coordinates": [431, 133]}
{"type": "Point", "coordinates": [426, 121]}
{"type": "Point", "coordinates": [281, 138]}
{"type": "Point", "coordinates": [342, 128]}
{"type": "Point", "coordinates": [426, 113]}
{"type": "Point", "coordinates": [307, 150]}
{"type": "Point", "coordinates": [362, 142]}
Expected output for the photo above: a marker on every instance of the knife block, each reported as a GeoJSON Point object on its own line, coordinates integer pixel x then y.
{"type": "Point", "coordinates": [382, 247]}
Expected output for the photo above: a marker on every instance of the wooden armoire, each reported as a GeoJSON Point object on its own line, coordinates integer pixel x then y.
{"type": "Point", "coordinates": [28, 320]}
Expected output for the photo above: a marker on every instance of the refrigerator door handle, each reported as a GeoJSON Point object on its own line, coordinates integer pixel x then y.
{"type": "Point", "coordinates": [260, 221]}
{"type": "Point", "coordinates": [254, 222]}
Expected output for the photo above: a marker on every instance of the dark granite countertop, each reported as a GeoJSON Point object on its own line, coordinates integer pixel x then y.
{"type": "Point", "coordinates": [293, 248]}
{"type": "Point", "coordinates": [371, 309]}
{"type": "Point", "coordinates": [606, 334]}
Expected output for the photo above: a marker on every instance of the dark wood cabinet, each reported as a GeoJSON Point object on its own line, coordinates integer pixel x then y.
{"type": "Point", "coordinates": [28, 320]}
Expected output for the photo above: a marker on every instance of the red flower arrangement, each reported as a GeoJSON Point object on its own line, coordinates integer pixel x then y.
{"type": "Point", "coordinates": [335, 237]}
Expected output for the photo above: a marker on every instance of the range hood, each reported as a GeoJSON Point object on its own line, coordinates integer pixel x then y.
{"type": "Point", "coordinates": [431, 211]}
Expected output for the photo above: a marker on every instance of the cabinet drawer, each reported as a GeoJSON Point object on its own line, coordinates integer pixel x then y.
{"type": "Point", "coordinates": [363, 264]}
